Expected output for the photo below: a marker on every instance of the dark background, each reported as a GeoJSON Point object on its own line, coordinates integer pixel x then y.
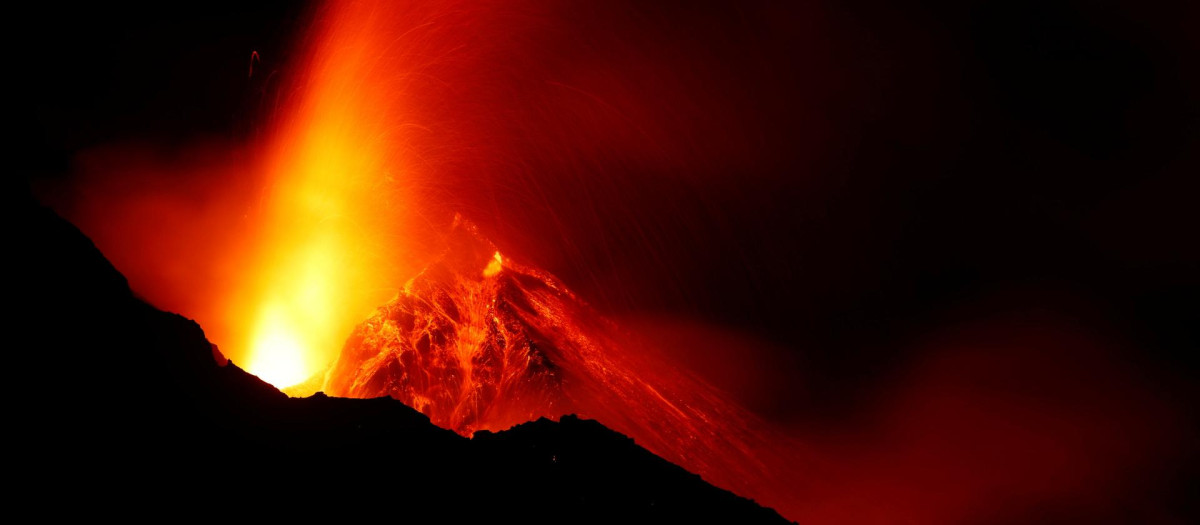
{"type": "Point", "coordinates": [898, 169]}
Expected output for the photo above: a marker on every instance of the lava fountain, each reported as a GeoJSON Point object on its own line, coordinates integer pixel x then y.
{"type": "Point", "coordinates": [325, 229]}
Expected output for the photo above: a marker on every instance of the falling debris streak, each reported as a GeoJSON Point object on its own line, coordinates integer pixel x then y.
{"type": "Point", "coordinates": [253, 58]}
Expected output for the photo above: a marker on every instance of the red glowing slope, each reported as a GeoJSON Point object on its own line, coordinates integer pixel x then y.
{"type": "Point", "coordinates": [479, 342]}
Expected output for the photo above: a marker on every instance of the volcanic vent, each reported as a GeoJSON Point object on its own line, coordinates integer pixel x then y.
{"type": "Point", "coordinates": [478, 341]}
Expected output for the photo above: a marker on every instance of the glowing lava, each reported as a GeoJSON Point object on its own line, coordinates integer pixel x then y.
{"type": "Point", "coordinates": [325, 239]}
{"type": "Point", "coordinates": [278, 353]}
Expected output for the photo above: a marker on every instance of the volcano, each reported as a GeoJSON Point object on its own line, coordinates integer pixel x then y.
{"type": "Point", "coordinates": [478, 341]}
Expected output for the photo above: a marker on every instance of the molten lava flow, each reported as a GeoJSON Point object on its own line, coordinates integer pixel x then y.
{"type": "Point", "coordinates": [480, 342]}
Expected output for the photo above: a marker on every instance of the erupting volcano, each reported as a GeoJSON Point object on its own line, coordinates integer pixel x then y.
{"type": "Point", "coordinates": [911, 263]}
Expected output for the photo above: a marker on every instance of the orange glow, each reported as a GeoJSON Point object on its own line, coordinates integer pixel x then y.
{"type": "Point", "coordinates": [326, 236]}
{"type": "Point", "coordinates": [278, 352]}
{"type": "Point", "coordinates": [494, 266]}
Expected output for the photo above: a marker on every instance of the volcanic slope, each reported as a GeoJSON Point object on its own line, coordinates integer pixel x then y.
{"type": "Point", "coordinates": [479, 341]}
